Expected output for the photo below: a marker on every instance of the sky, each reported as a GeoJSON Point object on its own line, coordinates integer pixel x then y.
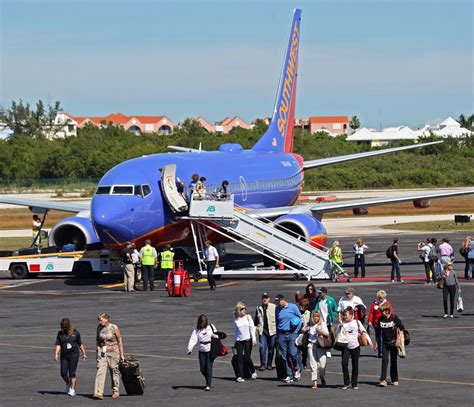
{"type": "Point", "coordinates": [390, 62]}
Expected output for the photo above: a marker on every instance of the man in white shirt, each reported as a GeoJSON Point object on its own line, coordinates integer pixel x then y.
{"type": "Point", "coordinates": [353, 301]}
{"type": "Point", "coordinates": [212, 261]}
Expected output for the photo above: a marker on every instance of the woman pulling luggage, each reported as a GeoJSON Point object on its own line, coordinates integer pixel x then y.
{"type": "Point", "coordinates": [68, 344]}
{"type": "Point", "coordinates": [244, 335]}
{"type": "Point", "coordinates": [202, 336]}
{"type": "Point", "coordinates": [109, 348]}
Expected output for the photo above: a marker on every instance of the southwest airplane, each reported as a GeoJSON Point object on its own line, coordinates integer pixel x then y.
{"type": "Point", "coordinates": [130, 202]}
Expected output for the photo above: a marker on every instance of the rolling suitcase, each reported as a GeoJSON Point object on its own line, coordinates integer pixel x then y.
{"type": "Point", "coordinates": [235, 365]}
{"type": "Point", "coordinates": [132, 377]}
{"type": "Point", "coordinates": [281, 368]}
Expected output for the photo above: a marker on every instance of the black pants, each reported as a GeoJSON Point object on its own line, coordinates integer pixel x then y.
{"type": "Point", "coordinates": [451, 290]}
{"type": "Point", "coordinates": [136, 267]}
{"type": "Point", "coordinates": [466, 268]}
{"type": "Point", "coordinates": [165, 273]}
{"type": "Point", "coordinates": [392, 353]}
{"type": "Point", "coordinates": [426, 264]}
{"type": "Point", "coordinates": [354, 355]}
{"type": "Point", "coordinates": [205, 365]}
{"type": "Point", "coordinates": [69, 366]}
{"type": "Point", "coordinates": [244, 353]}
{"type": "Point", "coordinates": [148, 275]}
{"type": "Point", "coordinates": [359, 261]}
{"type": "Point", "coordinates": [210, 266]}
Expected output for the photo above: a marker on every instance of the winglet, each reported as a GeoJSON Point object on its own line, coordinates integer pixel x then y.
{"type": "Point", "coordinates": [279, 136]}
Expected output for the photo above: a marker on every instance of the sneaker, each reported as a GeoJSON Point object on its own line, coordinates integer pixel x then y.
{"type": "Point", "coordinates": [355, 388]}
{"type": "Point", "coordinates": [383, 383]}
{"type": "Point", "coordinates": [288, 380]}
{"type": "Point", "coordinates": [207, 388]}
{"type": "Point", "coordinates": [67, 388]}
{"type": "Point", "coordinates": [115, 395]}
{"type": "Point", "coordinates": [401, 281]}
{"type": "Point", "coordinates": [261, 368]}
{"type": "Point", "coordinates": [395, 383]}
{"type": "Point", "coordinates": [269, 367]}
{"type": "Point", "coordinates": [71, 392]}
{"type": "Point", "coordinates": [240, 380]}
{"type": "Point", "coordinates": [451, 316]}
{"type": "Point", "coordinates": [297, 375]}
{"type": "Point", "coordinates": [346, 387]}
{"type": "Point", "coordinates": [393, 281]}
{"type": "Point", "coordinates": [445, 316]}
{"type": "Point", "coordinates": [99, 396]}
{"type": "Point", "coordinates": [254, 375]}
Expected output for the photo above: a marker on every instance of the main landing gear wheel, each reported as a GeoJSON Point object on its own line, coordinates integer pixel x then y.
{"type": "Point", "coordinates": [170, 283]}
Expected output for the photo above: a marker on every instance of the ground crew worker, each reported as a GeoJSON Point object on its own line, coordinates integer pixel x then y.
{"type": "Point", "coordinates": [167, 257]}
{"type": "Point", "coordinates": [36, 229]}
{"type": "Point", "coordinates": [149, 263]}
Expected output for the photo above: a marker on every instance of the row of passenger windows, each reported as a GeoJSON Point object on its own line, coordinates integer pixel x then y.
{"type": "Point", "coordinates": [138, 190]}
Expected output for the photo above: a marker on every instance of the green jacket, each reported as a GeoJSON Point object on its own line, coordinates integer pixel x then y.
{"type": "Point", "coordinates": [332, 309]}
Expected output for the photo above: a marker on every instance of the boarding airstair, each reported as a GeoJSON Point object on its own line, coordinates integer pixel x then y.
{"type": "Point", "coordinates": [218, 213]}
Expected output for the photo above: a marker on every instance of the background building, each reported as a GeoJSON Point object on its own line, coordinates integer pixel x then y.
{"type": "Point", "coordinates": [224, 126]}
{"type": "Point", "coordinates": [134, 124]}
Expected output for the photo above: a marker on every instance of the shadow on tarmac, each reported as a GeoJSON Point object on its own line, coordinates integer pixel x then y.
{"type": "Point", "coordinates": [188, 387]}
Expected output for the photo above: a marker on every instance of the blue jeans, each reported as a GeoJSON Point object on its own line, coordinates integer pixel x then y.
{"type": "Point", "coordinates": [266, 347]}
{"type": "Point", "coordinates": [395, 269]}
{"type": "Point", "coordinates": [286, 343]}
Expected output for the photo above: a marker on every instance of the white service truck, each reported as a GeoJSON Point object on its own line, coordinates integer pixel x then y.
{"type": "Point", "coordinates": [81, 263]}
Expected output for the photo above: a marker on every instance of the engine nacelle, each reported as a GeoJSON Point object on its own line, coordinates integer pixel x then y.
{"type": "Point", "coordinates": [76, 229]}
{"type": "Point", "coordinates": [303, 226]}
{"type": "Point", "coordinates": [360, 211]}
{"type": "Point", "coordinates": [421, 203]}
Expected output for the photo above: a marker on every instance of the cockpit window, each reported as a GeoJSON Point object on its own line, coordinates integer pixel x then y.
{"type": "Point", "coordinates": [123, 190]}
{"type": "Point", "coordinates": [138, 191]}
{"type": "Point", "coordinates": [103, 190]}
{"type": "Point", "coordinates": [146, 190]}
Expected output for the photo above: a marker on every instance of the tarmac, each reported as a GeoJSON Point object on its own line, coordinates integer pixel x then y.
{"type": "Point", "coordinates": [156, 329]}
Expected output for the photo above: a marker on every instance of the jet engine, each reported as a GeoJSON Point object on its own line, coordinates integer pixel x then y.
{"type": "Point", "coordinates": [421, 203]}
{"type": "Point", "coordinates": [303, 226]}
{"type": "Point", "coordinates": [76, 229]}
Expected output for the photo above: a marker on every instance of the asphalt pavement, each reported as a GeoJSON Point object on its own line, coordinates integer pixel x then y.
{"type": "Point", "coordinates": [156, 329]}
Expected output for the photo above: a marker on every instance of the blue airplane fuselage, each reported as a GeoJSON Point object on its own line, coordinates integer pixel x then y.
{"type": "Point", "coordinates": [257, 180]}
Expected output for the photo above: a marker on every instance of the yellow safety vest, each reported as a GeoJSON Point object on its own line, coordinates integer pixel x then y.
{"type": "Point", "coordinates": [148, 256]}
{"type": "Point", "coordinates": [167, 259]}
{"type": "Point", "coordinates": [336, 254]}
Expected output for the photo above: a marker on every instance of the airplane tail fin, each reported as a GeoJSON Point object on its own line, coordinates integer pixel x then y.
{"type": "Point", "coordinates": [279, 136]}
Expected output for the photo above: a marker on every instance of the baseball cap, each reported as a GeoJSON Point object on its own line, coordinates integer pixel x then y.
{"type": "Point", "coordinates": [279, 297]}
{"type": "Point", "coordinates": [349, 290]}
{"type": "Point", "coordinates": [265, 295]}
{"type": "Point", "coordinates": [322, 290]}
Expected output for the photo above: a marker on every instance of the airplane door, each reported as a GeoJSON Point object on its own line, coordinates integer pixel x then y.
{"type": "Point", "coordinates": [168, 185]}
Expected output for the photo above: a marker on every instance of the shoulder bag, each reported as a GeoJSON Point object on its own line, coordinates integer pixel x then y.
{"type": "Point", "coordinates": [217, 347]}
{"type": "Point", "coordinates": [440, 283]}
{"type": "Point", "coordinates": [401, 343]}
{"type": "Point", "coordinates": [324, 342]}
{"type": "Point", "coordinates": [341, 341]}
{"type": "Point", "coordinates": [363, 340]}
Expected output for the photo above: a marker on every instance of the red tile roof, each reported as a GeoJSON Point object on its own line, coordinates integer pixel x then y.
{"type": "Point", "coordinates": [147, 119]}
{"type": "Point", "coordinates": [329, 119]}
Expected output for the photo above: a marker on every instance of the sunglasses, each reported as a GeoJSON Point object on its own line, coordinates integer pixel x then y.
{"type": "Point", "coordinates": [243, 309]}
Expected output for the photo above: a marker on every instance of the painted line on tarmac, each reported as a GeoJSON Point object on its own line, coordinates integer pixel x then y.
{"type": "Point", "coordinates": [112, 285]}
{"type": "Point", "coordinates": [22, 284]}
{"type": "Point", "coordinates": [57, 293]}
{"type": "Point", "coordinates": [194, 360]}
{"type": "Point", "coordinates": [441, 328]}
{"type": "Point", "coordinates": [219, 286]}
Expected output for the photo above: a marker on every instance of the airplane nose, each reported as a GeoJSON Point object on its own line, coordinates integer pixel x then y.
{"type": "Point", "coordinates": [112, 219]}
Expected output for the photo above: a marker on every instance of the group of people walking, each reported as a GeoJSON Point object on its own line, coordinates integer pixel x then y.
{"type": "Point", "coordinates": [290, 336]}
{"type": "Point", "coordinates": [109, 353]}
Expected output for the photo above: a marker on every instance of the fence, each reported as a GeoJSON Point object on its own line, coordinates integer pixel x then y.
{"type": "Point", "coordinates": [53, 185]}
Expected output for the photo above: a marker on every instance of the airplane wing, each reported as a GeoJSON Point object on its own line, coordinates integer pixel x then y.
{"type": "Point", "coordinates": [186, 149]}
{"type": "Point", "coordinates": [318, 209]}
{"type": "Point", "coordinates": [350, 157]}
{"type": "Point", "coordinates": [37, 205]}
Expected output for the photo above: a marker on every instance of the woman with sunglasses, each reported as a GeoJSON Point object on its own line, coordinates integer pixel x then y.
{"type": "Point", "coordinates": [244, 335]}
{"type": "Point", "coordinates": [388, 325]}
{"type": "Point", "coordinates": [450, 285]}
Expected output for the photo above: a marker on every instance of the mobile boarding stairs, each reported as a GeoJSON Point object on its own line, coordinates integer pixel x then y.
{"type": "Point", "coordinates": [218, 213]}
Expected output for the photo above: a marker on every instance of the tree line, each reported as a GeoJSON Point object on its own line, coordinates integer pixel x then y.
{"type": "Point", "coordinates": [96, 150]}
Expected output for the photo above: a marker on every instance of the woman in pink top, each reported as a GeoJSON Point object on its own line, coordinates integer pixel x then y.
{"type": "Point", "coordinates": [351, 328]}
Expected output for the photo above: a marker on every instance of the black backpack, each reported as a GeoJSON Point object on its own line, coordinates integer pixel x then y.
{"type": "Point", "coordinates": [389, 252]}
{"type": "Point", "coordinates": [432, 255]}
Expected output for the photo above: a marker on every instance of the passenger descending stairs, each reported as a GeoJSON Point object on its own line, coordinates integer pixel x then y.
{"type": "Point", "coordinates": [297, 253]}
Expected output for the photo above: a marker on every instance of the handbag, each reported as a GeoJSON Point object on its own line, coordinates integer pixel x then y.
{"type": "Point", "coordinates": [440, 283]}
{"type": "Point", "coordinates": [459, 303]}
{"type": "Point", "coordinates": [324, 342]}
{"type": "Point", "coordinates": [363, 340]}
{"type": "Point", "coordinates": [217, 347]}
{"type": "Point", "coordinates": [401, 343]}
{"type": "Point", "coordinates": [341, 341]}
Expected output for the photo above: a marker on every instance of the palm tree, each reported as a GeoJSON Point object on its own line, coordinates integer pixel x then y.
{"type": "Point", "coordinates": [354, 123]}
{"type": "Point", "coordinates": [467, 121]}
